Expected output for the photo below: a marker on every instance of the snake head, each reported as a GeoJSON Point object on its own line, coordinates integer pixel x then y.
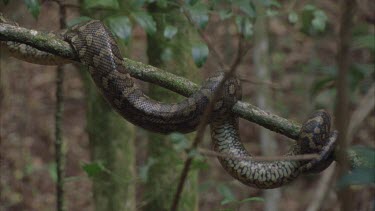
{"type": "Point", "coordinates": [325, 158]}
{"type": "Point", "coordinates": [315, 137]}
{"type": "Point", "coordinates": [315, 132]}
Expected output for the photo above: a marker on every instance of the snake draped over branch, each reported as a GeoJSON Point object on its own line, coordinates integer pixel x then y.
{"type": "Point", "coordinates": [96, 48]}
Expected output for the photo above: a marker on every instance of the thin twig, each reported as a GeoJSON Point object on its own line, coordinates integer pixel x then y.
{"type": "Point", "coordinates": [322, 189]}
{"type": "Point", "coordinates": [207, 40]}
{"type": "Point", "coordinates": [258, 158]}
{"type": "Point", "coordinates": [364, 108]}
{"type": "Point", "coordinates": [59, 154]}
{"type": "Point", "coordinates": [240, 53]}
{"type": "Point", "coordinates": [270, 84]}
{"type": "Point", "coordinates": [198, 138]}
{"type": "Point", "coordinates": [199, 135]}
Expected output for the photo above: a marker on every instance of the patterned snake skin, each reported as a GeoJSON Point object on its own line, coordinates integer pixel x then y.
{"type": "Point", "coordinates": [97, 49]}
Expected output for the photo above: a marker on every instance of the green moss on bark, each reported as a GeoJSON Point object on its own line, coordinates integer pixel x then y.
{"type": "Point", "coordinates": [164, 175]}
{"type": "Point", "coordinates": [111, 144]}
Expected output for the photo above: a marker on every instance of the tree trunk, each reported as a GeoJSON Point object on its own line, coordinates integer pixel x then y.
{"type": "Point", "coordinates": [342, 98]}
{"type": "Point", "coordinates": [163, 176]}
{"type": "Point", "coordinates": [261, 60]}
{"type": "Point", "coordinates": [111, 145]}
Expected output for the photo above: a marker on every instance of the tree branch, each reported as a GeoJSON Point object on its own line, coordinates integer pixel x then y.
{"type": "Point", "coordinates": [53, 44]}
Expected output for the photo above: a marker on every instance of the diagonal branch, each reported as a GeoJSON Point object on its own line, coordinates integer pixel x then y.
{"type": "Point", "coordinates": [53, 44]}
{"type": "Point", "coordinates": [49, 43]}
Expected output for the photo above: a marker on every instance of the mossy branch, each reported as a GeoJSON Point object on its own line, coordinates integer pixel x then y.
{"type": "Point", "coordinates": [50, 43]}
{"type": "Point", "coordinates": [53, 44]}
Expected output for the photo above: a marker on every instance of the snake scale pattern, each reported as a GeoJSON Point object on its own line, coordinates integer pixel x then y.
{"type": "Point", "coordinates": [96, 48]}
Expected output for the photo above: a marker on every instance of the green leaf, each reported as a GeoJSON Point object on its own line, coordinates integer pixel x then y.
{"type": "Point", "coordinates": [293, 17]}
{"type": "Point", "coordinates": [162, 3]}
{"type": "Point", "coordinates": [170, 31]}
{"type": "Point", "coordinates": [194, 154]}
{"type": "Point", "coordinates": [246, 7]}
{"type": "Point", "coordinates": [33, 7]}
{"type": "Point", "coordinates": [206, 185]}
{"type": "Point", "coordinates": [200, 53]}
{"type": "Point", "coordinates": [244, 26]}
{"type": "Point", "coordinates": [319, 21]}
{"type": "Point", "coordinates": [101, 4]}
{"type": "Point", "coordinates": [52, 171]}
{"type": "Point", "coordinates": [121, 27]}
{"type": "Point", "coordinates": [143, 171]}
{"type": "Point", "coordinates": [314, 20]}
{"type": "Point", "coordinates": [191, 2]}
{"type": "Point", "coordinates": [359, 176]}
{"type": "Point", "coordinates": [179, 141]}
{"type": "Point", "coordinates": [270, 3]}
{"type": "Point", "coordinates": [199, 14]}
{"type": "Point", "coordinates": [226, 193]}
{"type": "Point", "coordinates": [78, 20]}
{"type": "Point", "coordinates": [366, 155]}
{"type": "Point", "coordinates": [94, 168]}
{"type": "Point", "coordinates": [138, 4]}
{"type": "Point", "coordinates": [260, 199]}
{"type": "Point", "coordinates": [167, 54]}
{"type": "Point", "coordinates": [365, 41]}
{"type": "Point", "coordinates": [199, 164]}
{"type": "Point", "coordinates": [225, 14]}
{"type": "Point", "coordinates": [145, 21]}
{"type": "Point", "coordinates": [320, 85]}
{"type": "Point", "coordinates": [272, 12]}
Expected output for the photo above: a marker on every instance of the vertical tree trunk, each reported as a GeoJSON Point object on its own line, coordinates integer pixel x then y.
{"type": "Point", "coordinates": [111, 144]}
{"type": "Point", "coordinates": [342, 99]}
{"type": "Point", "coordinates": [261, 60]}
{"type": "Point", "coordinates": [163, 176]}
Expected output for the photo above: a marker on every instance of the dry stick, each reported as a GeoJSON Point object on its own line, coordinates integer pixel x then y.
{"type": "Point", "coordinates": [211, 153]}
{"type": "Point", "coordinates": [323, 189]}
{"type": "Point", "coordinates": [365, 106]}
{"type": "Point", "coordinates": [59, 154]}
{"type": "Point", "coordinates": [206, 115]}
{"type": "Point", "coordinates": [198, 138]}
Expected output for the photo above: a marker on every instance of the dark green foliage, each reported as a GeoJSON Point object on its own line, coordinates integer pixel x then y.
{"type": "Point", "coordinates": [33, 6]}
{"type": "Point", "coordinates": [362, 174]}
{"type": "Point", "coordinates": [199, 52]}
{"type": "Point", "coordinates": [170, 31]}
{"type": "Point", "coordinates": [101, 4]}
{"type": "Point", "coordinates": [245, 26]}
{"type": "Point", "coordinates": [146, 21]}
{"type": "Point", "coordinates": [93, 169]}
{"type": "Point", "coordinates": [314, 20]}
{"type": "Point", "coordinates": [199, 14]}
{"type": "Point", "coordinates": [78, 20]}
{"type": "Point", "coordinates": [359, 176]}
{"type": "Point", "coordinates": [121, 27]}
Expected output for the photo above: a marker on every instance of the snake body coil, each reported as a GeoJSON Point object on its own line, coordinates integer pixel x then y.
{"type": "Point", "coordinates": [96, 48]}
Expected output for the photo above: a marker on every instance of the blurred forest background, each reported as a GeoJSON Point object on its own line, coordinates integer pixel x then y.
{"type": "Point", "coordinates": [291, 65]}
